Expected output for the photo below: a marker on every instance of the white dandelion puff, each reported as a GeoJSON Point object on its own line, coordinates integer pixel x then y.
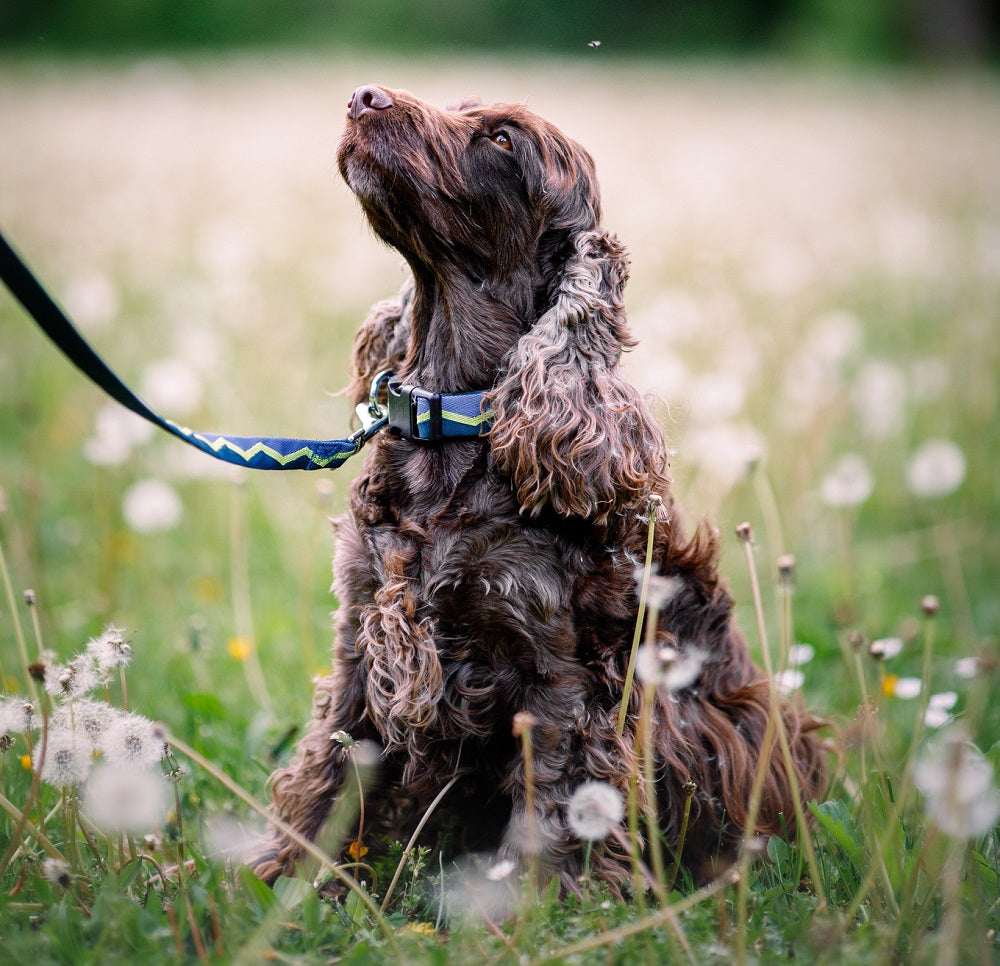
{"type": "Point", "coordinates": [907, 688]}
{"type": "Point", "coordinates": [88, 718]}
{"type": "Point", "coordinates": [233, 839]}
{"type": "Point", "coordinates": [885, 648]}
{"type": "Point", "coordinates": [150, 506]}
{"type": "Point", "coordinates": [67, 758]}
{"type": "Point", "coordinates": [967, 667]}
{"type": "Point", "coordinates": [475, 889]}
{"type": "Point", "coordinates": [132, 741]}
{"type": "Point", "coordinates": [110, 650]}
{"type": "Point", "coordinates": [789, 680]}
{"type": "Point", "coordinates": [594, 809]}
{"type": "Point", "coordinates": [16, 716]}
{"type": "Point", "coordinates": [123, 799]}
{"type": "Point", "coordinates": [957, 784]}
{"type": "Point", "coordinates": [667, 667]}
{"type": "Point", "coordinates": [937, 468]}
{"type": "Point", "coordinates": [848, 483]}
{"type": "Point", "coordinates": [73, 680]}
{"type": "Point", "coordinates": [799, 654]}
{"type": "Point", "coordinates": [57, 871]}
{"type": "Point", "coordinates": [939, 707]}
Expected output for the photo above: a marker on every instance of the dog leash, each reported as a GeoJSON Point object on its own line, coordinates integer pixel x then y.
{"type": "Point", "coordinates": [410, 411]}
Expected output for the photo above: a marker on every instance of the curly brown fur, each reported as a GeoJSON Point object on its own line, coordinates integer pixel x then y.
{"type": "Point", "coordinates": [483, 577]}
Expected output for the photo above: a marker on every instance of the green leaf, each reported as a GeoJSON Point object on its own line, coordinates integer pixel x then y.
{"type": "Point", "coordinates": [256, 890]}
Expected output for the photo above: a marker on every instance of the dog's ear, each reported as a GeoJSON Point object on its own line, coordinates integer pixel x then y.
{"type": "Point", "coordinates": [570, 430]}
{"type": "Point", "coordinates": [381, 342]}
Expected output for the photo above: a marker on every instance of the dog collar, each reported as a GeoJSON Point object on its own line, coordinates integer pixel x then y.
{"type": "Point", "coordinates": [423, 416]}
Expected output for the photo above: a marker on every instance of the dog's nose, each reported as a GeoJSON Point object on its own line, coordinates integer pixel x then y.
{"type": "Point", "coordinates": [367, 99]}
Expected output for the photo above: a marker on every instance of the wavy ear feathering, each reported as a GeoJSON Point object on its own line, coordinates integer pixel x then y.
{"type": "Point", "coordinates": [382, 341]}
{"type": "Point", "coordinates": [571, 431]}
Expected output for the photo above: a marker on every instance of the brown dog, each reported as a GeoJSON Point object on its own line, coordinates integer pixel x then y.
{"type": "Point", "coordinates": [487, 575]}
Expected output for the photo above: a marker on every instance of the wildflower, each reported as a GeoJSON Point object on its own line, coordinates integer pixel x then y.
{"type": "Point", "coordinates": [110, 650]}
{"type": "Point", "coordinates": [904, 688]}
{"type": "Point", "coordinates": [661, 590]}
{"type": "Point", "coordinates": [150, 506]}
{"type": "Point", "coordinates": [422, 928]}
{"type": "Point", "coordinates": [26, 762]}
{"type": "Point", "coordinates": [594, 809]}
{"type": "Point", "coordinates": [667, 667]}
{"type": "Point", "coordinates": [885, 648]}
{"type": "Point", "coordinates": [500, 870]}
{"type": "Point", "coordinates": [72, 680]}
{"type": "Point", "coordinates": [799, 654]}
{"type": "Point", "coordinates": [789, 680]}
{"type": "Point", "coordinates": [472, 891]}
{"type": "Point", "coordinates": [957, 785]}
{"type": "Point", "coordinates": [523, 722]}
{"type": "Point", "coordinates": [88, 718]}
{"type": "Point", "coordinates": [132, 742]}
{"type": "Point", "coordinates": [122, 799]}
{"type": "Point", "coordinates": [929, 605]}
{"type": "Point", "coordinates": [967, 667]}
{"type": "Point", "coordinates": [239, 648]}
{"type": "Point", "coordinates": [938, 708]}
{"type": "Point", "coordinates": [937, 468]}
{"type": "Point", "coordinates": [171, 385]}
{"type": "Point", "coordinates": [234, 839]}
{"type": "Point", "coordinates": [878, 398]}
{"type": "Point", "coordinates": [357, 850]}
{"type": "Point", "coordinates": [15, 716]}
{"type": "Point", "coordinates": [67, 758]}
{"type": "Point", "coordinates": [849, 483]}
{"type": "Point", "coordinates": [56, 871]}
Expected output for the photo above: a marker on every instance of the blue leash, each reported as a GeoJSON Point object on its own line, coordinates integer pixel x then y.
{"type": "Point", "coordinates": [411, 412]}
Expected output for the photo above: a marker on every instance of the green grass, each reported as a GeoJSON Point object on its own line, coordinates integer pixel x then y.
{"type": "Point", "coordinates": [816, 272]}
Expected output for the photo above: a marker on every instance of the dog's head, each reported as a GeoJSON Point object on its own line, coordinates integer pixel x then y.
{"type": "Point", "coordinates": [491, 189]}
{"type": "Point", "coordinates": [498, 202]}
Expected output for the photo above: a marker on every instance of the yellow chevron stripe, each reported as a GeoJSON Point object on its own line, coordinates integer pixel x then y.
{"type": "Point", "coordinates": [459, 417]}
{"type": "Point", "coordinates": [282, 459]}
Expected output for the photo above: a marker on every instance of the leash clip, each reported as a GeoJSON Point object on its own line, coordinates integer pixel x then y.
{"type": "Point", "coordinates": [373, 415]}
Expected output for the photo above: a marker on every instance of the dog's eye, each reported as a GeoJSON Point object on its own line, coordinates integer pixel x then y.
{"type": "Point", "coordinates": [502, 140]}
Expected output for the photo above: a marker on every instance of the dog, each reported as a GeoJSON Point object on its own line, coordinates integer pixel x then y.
{"type": "Point", "coordinates": [492, 574]}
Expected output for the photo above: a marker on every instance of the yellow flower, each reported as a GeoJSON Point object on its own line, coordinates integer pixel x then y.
{"type": "Point", "coordinates": [897, 687]}
{"type": "Point", "coordinates": [424, 928]}
{"type": "Point", "coordinates": [26, 762]}
{"type": "Point", "coordinates": [239, 648]}
{"type": "Point", "coordinates": [357, 850]}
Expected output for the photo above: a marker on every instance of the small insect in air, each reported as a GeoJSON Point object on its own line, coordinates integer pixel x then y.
{"type": "Point", "coordinates": [594, 43]}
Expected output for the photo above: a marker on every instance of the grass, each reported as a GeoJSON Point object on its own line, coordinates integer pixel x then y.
{"type": "Point", "coordinates": [816, 270]}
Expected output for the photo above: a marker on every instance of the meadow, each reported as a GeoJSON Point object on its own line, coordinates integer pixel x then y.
{"type": "Point", "coordinates": [816, 290]}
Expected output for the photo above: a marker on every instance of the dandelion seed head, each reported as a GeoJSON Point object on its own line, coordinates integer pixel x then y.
{"type": "Point", "coordinates": [885, 648]}
{"type": "Point", "coordinates": [88, 718]}
{"type": "Point", "coordinates": [131, 741]}
{"type": "Point", "coordinates": [799, 654]}
{"type": "Point", "coordinates": [67, 758]}
{"type": "Point", "coordinates": [936, 717]}
{"type": "Point", "coordinates": [789, 680]}
{"type": "Point", "coordinates": [152, 506]}
{"type": "Point", "coordinates": [967, 667]}
{"type": "Point", "coordinates": [234, 839]}
{"type": "Point", "coordinates": [849, 483]}
{"type": "Point", "coordinates": [668, 667]}
{"type": "Point", "coordinates": [16, 716]}
{"type": "Point", "coordinates": [124, 799]}
{"type": "Point", "coordinates": [662, 590]}
{"type": "Point", "coordinates": [594, 809]}
{"type": "Point", "coordinates": [57, 871]}
{"type": "Point", "coordinates": [71, 681]}
{"type": "Point", "coordinates": [936, 469]}
{"type": "Point", "coordinates": [474, 890]}
{"type": "Point", "coordinates": [958, 786]}
{"type": "Point", "coordinates": [110, 650]}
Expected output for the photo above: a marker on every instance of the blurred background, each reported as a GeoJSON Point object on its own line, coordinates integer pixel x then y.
{"type": "Point", "coordinates": [810, 191]}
